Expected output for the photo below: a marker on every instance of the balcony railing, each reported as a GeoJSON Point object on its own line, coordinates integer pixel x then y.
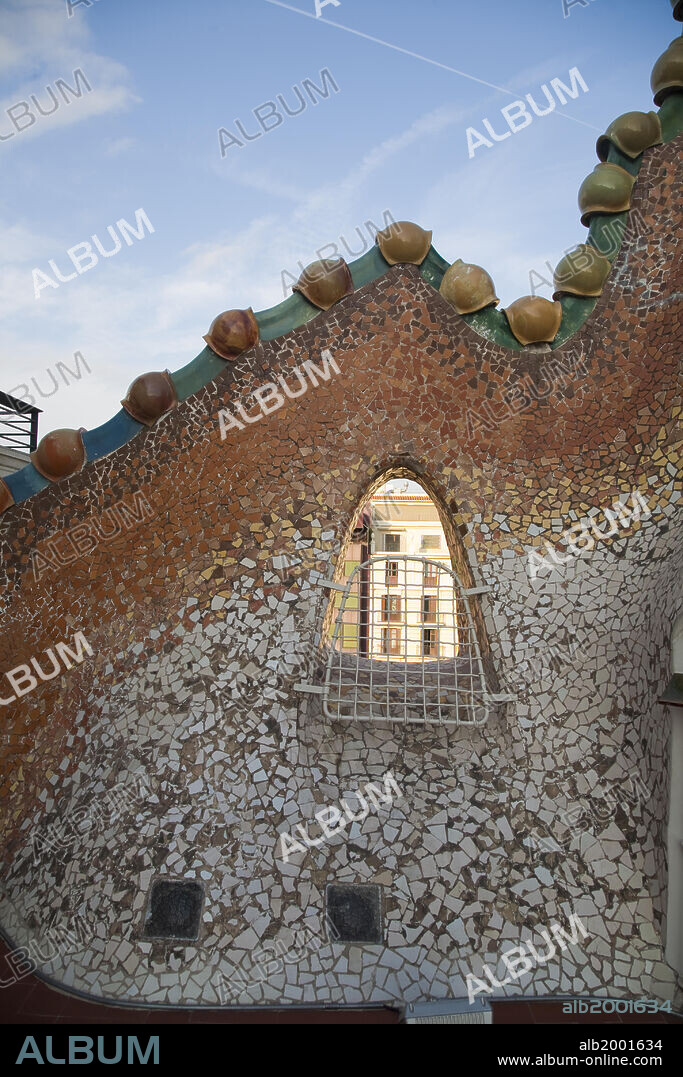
{"type": "Point", "coordinates": [18, 423]}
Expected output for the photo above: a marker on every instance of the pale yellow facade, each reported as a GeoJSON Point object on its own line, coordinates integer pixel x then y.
{"type": "Point", "coordinates": [411, 603]}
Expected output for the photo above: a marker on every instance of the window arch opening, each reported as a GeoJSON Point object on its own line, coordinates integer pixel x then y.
{"type": "Point", "coordinates": [403, 644]}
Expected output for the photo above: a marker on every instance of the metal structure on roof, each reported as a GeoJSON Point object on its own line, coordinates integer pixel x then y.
{"type": "Point", "coordinates": [18, 423]}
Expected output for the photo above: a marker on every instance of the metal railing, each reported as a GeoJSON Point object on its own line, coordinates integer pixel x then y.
{"type": "Point", "coordinates": [405, 667]}
{"type": "Point", "coordinates": [18, 423]}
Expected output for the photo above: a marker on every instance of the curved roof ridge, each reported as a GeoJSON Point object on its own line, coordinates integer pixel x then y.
{"type": "Point", "coordinates": [490, 323]}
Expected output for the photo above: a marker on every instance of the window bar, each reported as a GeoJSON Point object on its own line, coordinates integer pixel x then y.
{"type": "Point", "coordinates": [373, 614]}
{"type": "Point", "coordinates": [387, 667]}
{"type": "Point", "coordinates": [406, 645]}
{"type": "Point", "coordinates": [422, 663]}
{"type": "Point", "coordinates": [332, 649]}
{"type": "Point", "coordinates": [33, 441]}
{"type": "Point", "coordinates": [479, 661]}
{"type": "Point", "coordinates": [339, 657]}
{"type": "Point", "coordinates": [389, 657]}
{"type": "Point", "coordinates": [455, 652]}
{"type": "Point", "coordinates": [359, 649]}
{"type": "Point", "coordinates": [438, 663]}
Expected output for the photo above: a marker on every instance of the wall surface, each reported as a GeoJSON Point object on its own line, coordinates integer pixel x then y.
{"type": "Point", "coordinates": [196, 589]}
{"type": "Point", "coordinates": [11, 460]}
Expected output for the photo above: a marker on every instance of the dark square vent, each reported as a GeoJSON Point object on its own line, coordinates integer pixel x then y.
{"type": "Point", "coordinates": [355, 912]}
{"type": "Point", "coordinates": [173, 910]}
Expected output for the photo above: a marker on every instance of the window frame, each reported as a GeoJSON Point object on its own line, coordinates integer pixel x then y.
{"type": "Point", "coordinates": [427, 548]}
{"type": "Point", "coordinates": [391, 610]}
{"type": "Point", "coordinates": [430, 576]}
{"type": "Point", "coordinates": [395, 640]}
{"type": "Point", "coordinates": [433, 615]}
{"type": "Point", "coordinates": [434, 642]}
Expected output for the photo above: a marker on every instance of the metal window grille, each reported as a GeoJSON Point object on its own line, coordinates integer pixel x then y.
{"type": "Point", "coordinates": [427, 670]}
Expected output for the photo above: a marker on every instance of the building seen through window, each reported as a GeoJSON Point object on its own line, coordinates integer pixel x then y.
{"type": "Point", "coordinates": [403, 645]}
{"type": "Point", "coordinates": [399, 519]}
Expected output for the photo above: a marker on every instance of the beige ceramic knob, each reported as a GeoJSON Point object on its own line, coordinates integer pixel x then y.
{"type": "Point", "coordinates": [404, 241]}
{"type": "Point", "coordinates": [533, 319]}
{"type": "Point", "coordinates": [631, 133]}
{"type": "Point", "coordinates": [468, 287]}
{"type": "Point", "coordinates": [325, 282]}
{"type": "Point", "coordinates": [606, 190]}
{"type": "Point", "coordinates": [581, 272]}
{"type": "Point", "coordinates": [667, 74]}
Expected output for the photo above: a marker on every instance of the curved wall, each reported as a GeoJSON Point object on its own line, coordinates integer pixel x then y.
{"type": "Point", "coordinates": [180, 748]}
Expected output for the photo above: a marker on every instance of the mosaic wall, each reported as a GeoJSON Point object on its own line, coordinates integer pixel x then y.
{"type": "Point", "coordinates": [176, 745]}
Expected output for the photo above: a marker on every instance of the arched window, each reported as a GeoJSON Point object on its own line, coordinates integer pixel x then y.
{"type": "Point", "coordinates": [403, 643]}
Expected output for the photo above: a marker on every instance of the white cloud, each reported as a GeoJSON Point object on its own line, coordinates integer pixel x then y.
{"type": "Point", "coordinates": [35, 32]}
{"type": "Point", "coordinates": [39, 38]}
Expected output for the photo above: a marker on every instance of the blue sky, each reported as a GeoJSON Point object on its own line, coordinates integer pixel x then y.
{"type": "Point", "coordinates": [166, 75]}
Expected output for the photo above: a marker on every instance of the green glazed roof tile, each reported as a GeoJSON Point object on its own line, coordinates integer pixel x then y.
{"type": "Point", "coordinates": [671, 116]}
{"type": "Point", "coordinates": [288, 315]}
{"type": "Point", "coordinates": [433, 268]}
{"type": "Point", "coordinates": [492, 324]}
{"type": "Point", "coordinates": [368, 267]}
{"type": "Point", "coordinates": [575, 310]}
{"type": "Point", "coordinates": [630, 164]}
{"type": "Point", "coordinates": [194, 376]}
{"type": "Point", "coordinates": [606, 233]}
